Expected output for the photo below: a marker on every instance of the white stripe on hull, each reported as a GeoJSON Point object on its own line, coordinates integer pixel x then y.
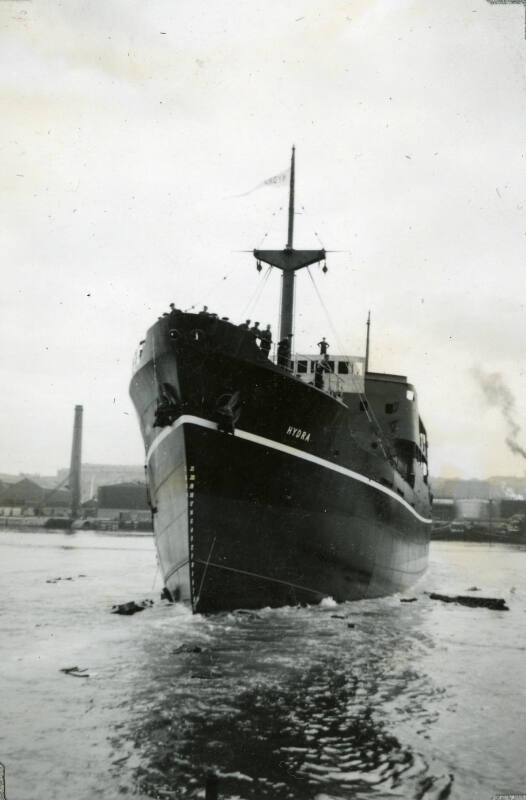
{"type": "Point", "coordinates": [189, 419]}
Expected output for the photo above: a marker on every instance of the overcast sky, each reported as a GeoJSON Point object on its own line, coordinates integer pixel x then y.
{"type": "Point", "coordinates": [128, 129]}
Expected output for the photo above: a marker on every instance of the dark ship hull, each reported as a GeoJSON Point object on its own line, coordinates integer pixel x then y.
{"type": "Point", "coordinates": [266, 490]}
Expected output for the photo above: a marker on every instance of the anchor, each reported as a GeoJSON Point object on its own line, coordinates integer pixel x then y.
{"type": "Point", "coordinates": [227, 413]}
{"type": "Point", "coordinates": [167, 407]}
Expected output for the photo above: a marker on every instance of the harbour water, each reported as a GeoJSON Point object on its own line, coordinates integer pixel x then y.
{"type": "Point", "coordinates": [373, 699]}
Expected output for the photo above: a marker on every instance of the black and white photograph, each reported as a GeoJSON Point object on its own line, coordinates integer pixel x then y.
{"type": "Point", "coordinates": [262, 417]}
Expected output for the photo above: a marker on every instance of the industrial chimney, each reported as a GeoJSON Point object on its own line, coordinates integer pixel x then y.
{"type": "Point", "coordinates": [75, 466]}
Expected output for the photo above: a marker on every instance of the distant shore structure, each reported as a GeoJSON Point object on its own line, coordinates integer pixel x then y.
{"type": "Point", "coordinates": [76, 462]}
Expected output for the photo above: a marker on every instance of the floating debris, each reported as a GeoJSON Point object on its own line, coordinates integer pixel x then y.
{"type": "Point", "coordinates": [246, 613]}
{"type": "Point", "coordinates": [337, 616]}
{"type": "Point", "coordinates": [408, 599]}
{"type": "Point", "coordinates": [76, 672]}
{"type": "Point", "coordinates": [473, 589]}
{"type": "Point", "coordinates": [495, 603]}
{"type": "Point", "coordinates": [131, 608]}
{"type": "Point", "coordinates": [188, 648]}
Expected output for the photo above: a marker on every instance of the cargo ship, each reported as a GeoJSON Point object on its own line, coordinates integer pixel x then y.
{"type": "Point", "coordinates": [278, 478]}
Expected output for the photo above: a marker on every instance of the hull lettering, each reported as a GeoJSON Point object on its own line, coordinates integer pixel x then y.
{"type": "Point", "coordinates": [298, 433]}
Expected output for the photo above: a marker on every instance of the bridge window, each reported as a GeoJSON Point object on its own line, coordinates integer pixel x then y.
{"type": "Point", "coordinates": [410, 394]}
{"type": "Point", "coordinates": [391, 408]}
{"type": "Point", "coordinates": [302, 366]}
{"type": "Point", "coordinates": [343, 368]}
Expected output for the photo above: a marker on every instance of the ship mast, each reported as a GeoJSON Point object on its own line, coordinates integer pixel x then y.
{"type": "Point", "coordinates": [288, 261]}
{"type": "Point", "coordinates": [291, 200]}
{"type": "Point", "coordinates": [286, 318]}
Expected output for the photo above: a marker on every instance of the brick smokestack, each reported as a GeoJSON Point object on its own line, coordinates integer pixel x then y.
{"type": "Point", "coordinates": [76, 460]}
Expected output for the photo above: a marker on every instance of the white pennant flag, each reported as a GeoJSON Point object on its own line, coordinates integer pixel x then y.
{"type": "Point", "coordinates": [281, 179]}
{"type": "Point", "coordinates": [276, 180]}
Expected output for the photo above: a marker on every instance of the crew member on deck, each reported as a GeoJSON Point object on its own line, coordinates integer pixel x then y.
{"type": "Point", "coordinates": [204, 311]}
{"type": "Point", "coordinates": [245, 326]}
{"type": "Point", "coordinates": [318, 375]}
{"type": "Point", "coordinates": [284, 348]}
{"type": "Point", "coordinates": [266, 340]}
{"type": "Point", "coordinates": [324, 346]}
{"type": "Point", "coordinates": [255, 331]}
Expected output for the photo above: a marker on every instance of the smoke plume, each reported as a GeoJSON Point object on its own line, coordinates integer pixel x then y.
{"type": "Point", "coordinates": [498, 395]}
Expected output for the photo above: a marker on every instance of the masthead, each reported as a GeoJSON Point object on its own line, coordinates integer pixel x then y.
{"type": "Point", "coordinates": [289, 261]}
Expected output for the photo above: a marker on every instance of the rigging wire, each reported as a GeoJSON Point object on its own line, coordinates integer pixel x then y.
{"type": "Point", "coordinates": [204, 572]}
{"type": "Point", "coordinates": [262, 288]}
{"type": "Point", "coordinates": [315, 232]}
{"type": "Point", "coordinates": [217, 283]}
{"type": "Point", "coordinates": [369, 413]}
{"type": "Point", "coordinates": [258, 292]}
{"type": "Point", "coordinates": [272, 225]}
{"type": "Point", "coordinates": [326, 311]}
{"type": "Point", "coordinates": [154, 360]}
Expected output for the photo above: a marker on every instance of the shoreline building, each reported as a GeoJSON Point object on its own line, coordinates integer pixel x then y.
{"type": "Point", "coordinates": [29, 498]}
{"type": "Point", "coordinates": [94, 476]}
{"type": "Point", "coordinates": [126, 504]}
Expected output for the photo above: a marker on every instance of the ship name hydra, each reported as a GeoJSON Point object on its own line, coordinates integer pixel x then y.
{"type": "Point", "coordinates": [277, 481]}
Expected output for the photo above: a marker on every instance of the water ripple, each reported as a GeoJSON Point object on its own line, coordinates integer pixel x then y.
{"type": "Point", "coordinates": [283, 704]}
